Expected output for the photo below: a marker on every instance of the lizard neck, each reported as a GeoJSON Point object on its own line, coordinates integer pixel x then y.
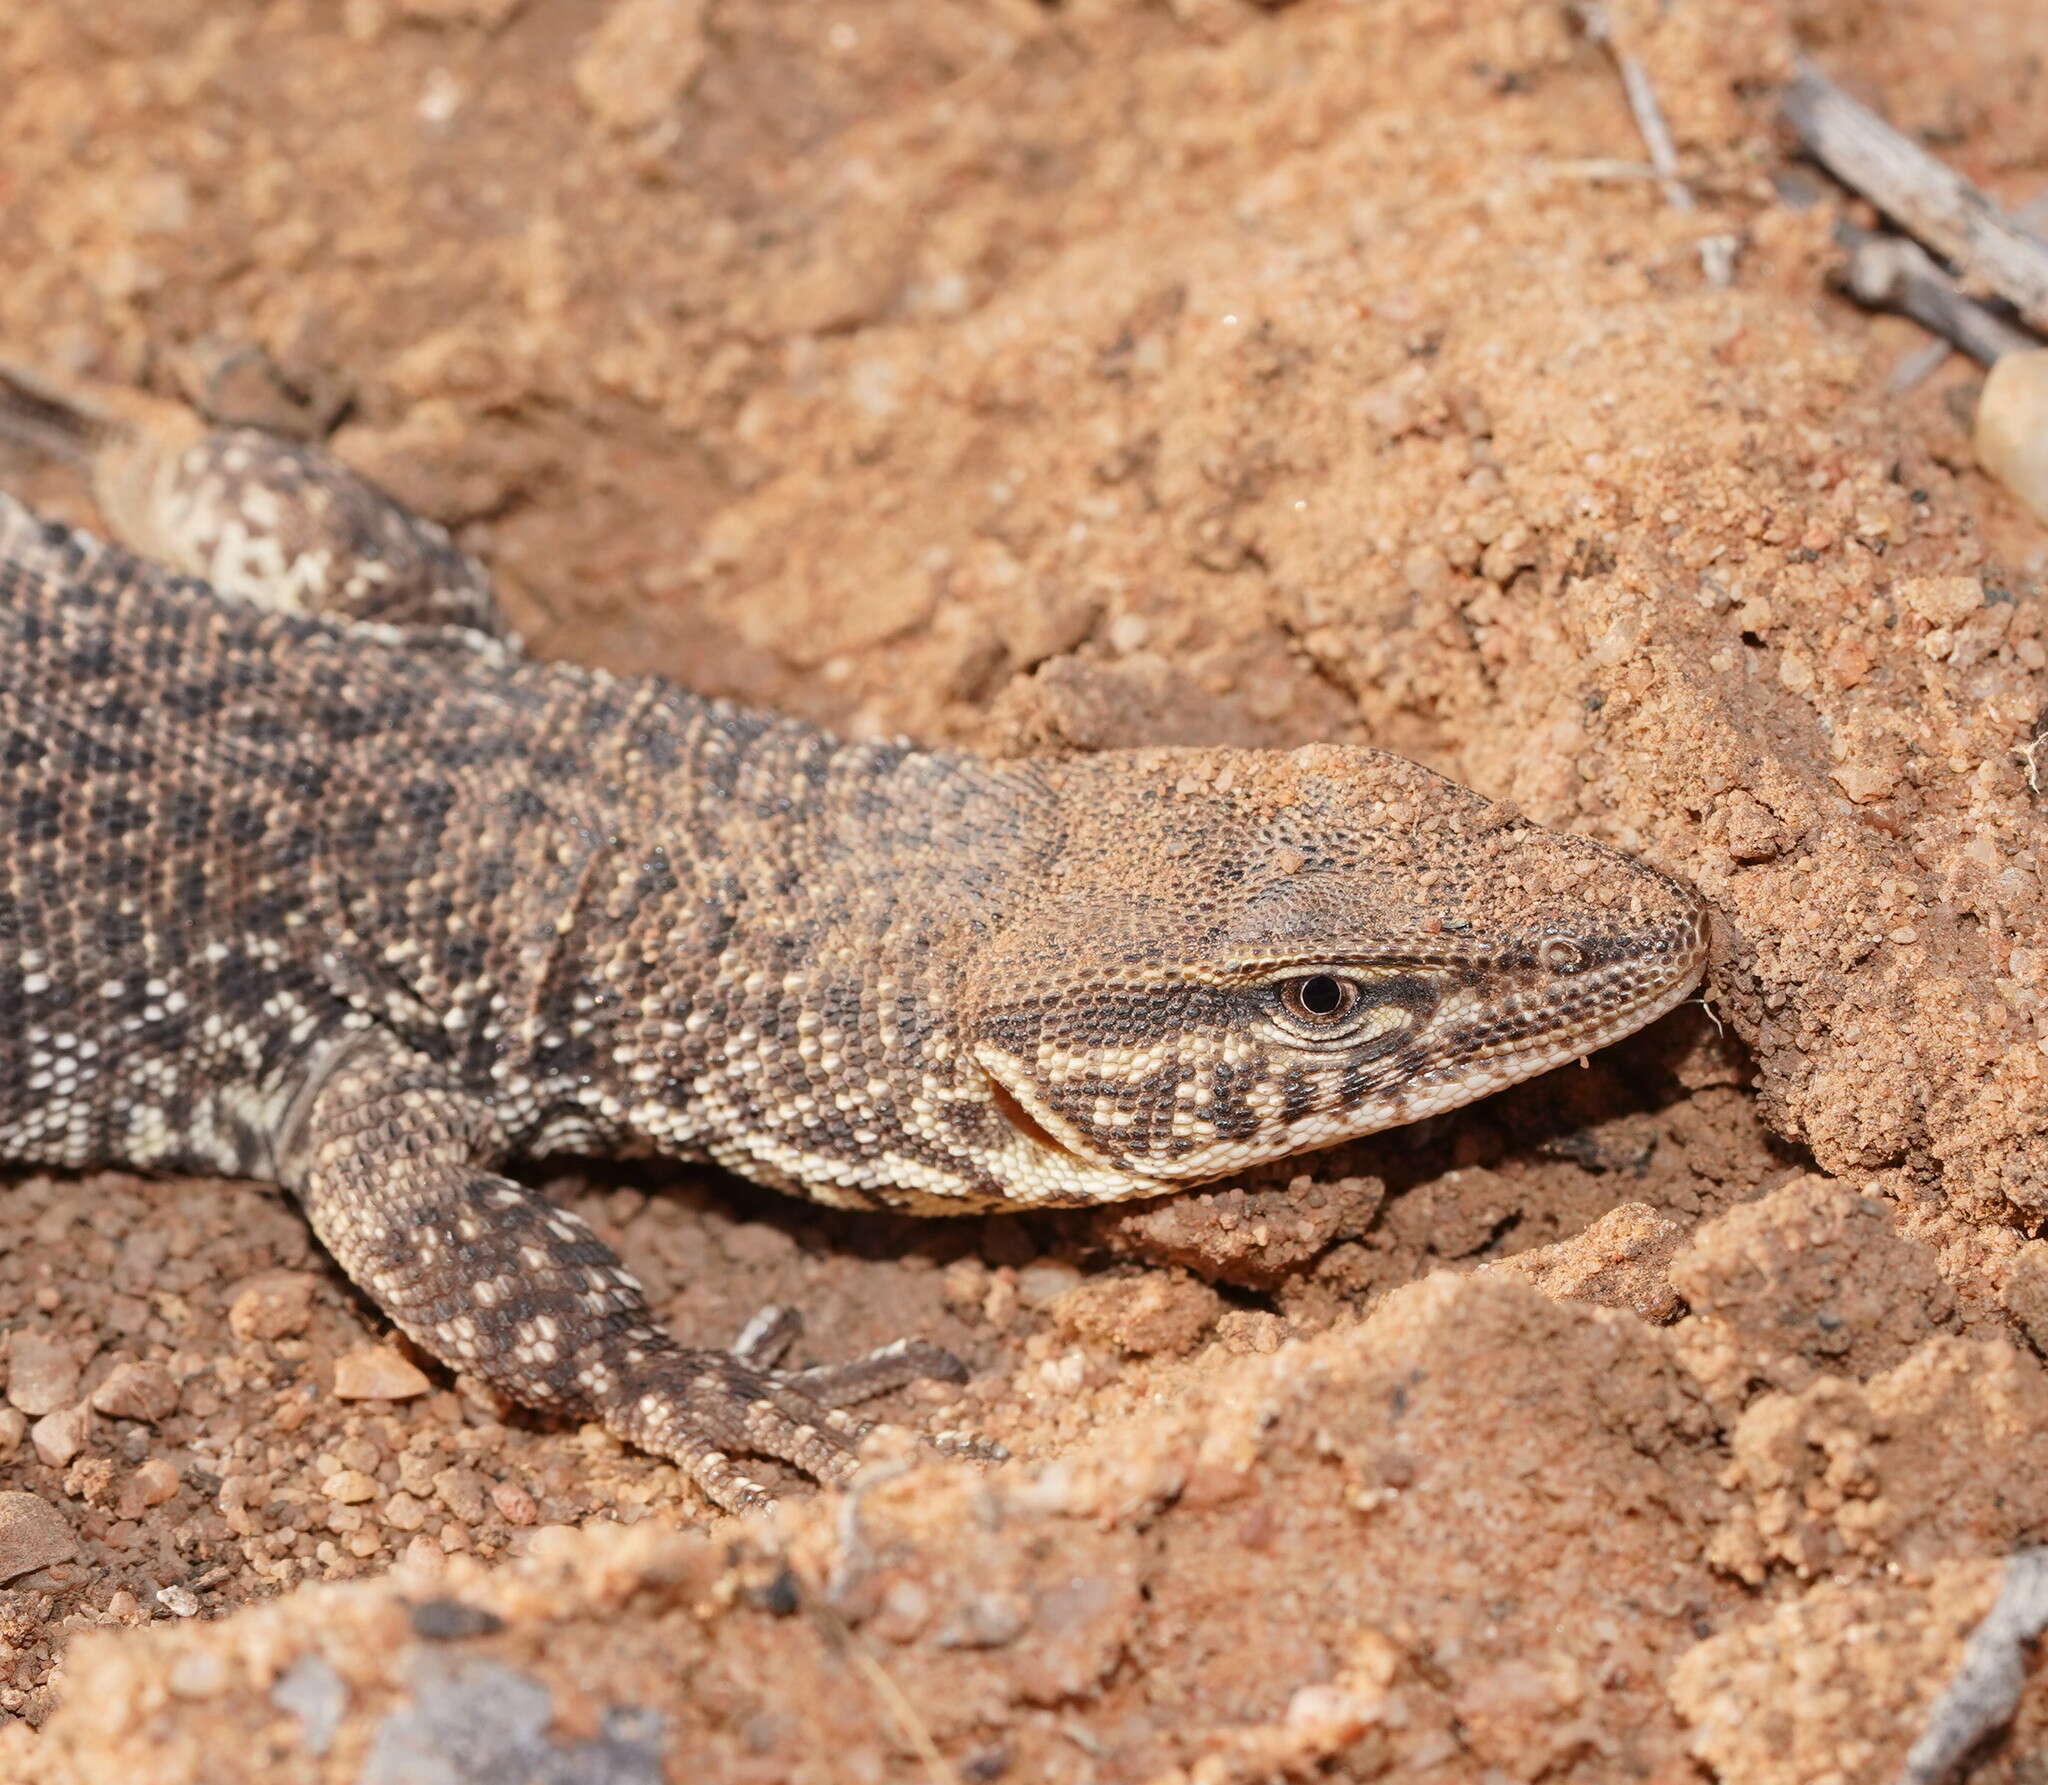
{"type": "Point", "coordinates": [760, 936]}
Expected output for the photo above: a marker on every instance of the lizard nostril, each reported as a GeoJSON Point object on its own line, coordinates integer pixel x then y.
{"type": "Point", "coordinates": [1561, 954]}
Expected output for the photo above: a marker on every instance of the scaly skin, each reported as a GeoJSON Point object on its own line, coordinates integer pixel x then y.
{"type": "Point", "coordinates": [375, 909]}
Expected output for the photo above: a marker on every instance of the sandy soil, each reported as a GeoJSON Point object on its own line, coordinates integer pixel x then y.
{"type": "Point", "coordinates": [1054, 377]}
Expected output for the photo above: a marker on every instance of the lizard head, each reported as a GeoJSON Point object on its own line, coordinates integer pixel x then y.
{"type": "Point", "coordinates": [1236, 956]}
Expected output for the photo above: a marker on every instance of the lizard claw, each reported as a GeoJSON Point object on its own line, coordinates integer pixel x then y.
{"type": "Point", "coordinates": [970, 1446]}
{"type": "Point", "coordinates": [766, 1337]}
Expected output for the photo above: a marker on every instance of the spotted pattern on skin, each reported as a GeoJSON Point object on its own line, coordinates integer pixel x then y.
{"type": "Point", "coordinates": [257, 516]}
{"type": "Point", "coordinates": [267, 518]}
{"type": "Point", "coordinates": [377, 909]}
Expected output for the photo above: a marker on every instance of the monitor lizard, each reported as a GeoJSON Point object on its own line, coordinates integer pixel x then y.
{"type": "Point", "coordinates": [309, 874]}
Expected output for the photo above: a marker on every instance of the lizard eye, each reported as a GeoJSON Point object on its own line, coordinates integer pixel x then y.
{"type": "Point", "coordinates": [1561, 954]}
{"type": "Point", "coordinates": [1319, 1000]}
{"type": "Point", "coordinates": [1331, 1009]}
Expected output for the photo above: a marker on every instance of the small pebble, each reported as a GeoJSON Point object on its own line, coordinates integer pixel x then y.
{"type": "Point", "coordinates": [275, 1305]}
{"type": "Point", "coordinates": [424, 1556]}
{"type": "Point", "coordinates": [1864, 782]}
{"type": "Point", "coordinates": [1941, 600]}
{"type": "Point", "coordinates": [58, 1437]}
{"type": "Point", "coordinates": [2012, 427]}
{"type": "Point", "coordinates": [312, 1691]}
{"type": "Point", "coordinates": [1251, 1332]}
{"type": "Point", "coordinates": [152, 1484]}
{"type": "Point", "coordinates": [462, 1492]}
{"type": "Point", "coordinates": [33, 1534]}
{"type": "Point", "coordinates": [197, 1674]}
{"type": "Point", "coordinates": [451, 1620]}
{"type": "Point", "coordinates": [42, 1375]}
{"type": "Point", "coordinates": [403, 1512]}
{"type": "Point", "coordinates": [1041, 1284]}
{"type": "Point", "coordinates": [143, 1391]}
{"type": "Point", "coordinates": [515, 1505]}
{"type": "Point", "coordinates": [636, 66]}
{"type": "Point", "coordinates": [377, 1373]}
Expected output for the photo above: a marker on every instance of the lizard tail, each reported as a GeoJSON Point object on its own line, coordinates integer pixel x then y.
{"type": "Point", "coordinates": [51, 419]}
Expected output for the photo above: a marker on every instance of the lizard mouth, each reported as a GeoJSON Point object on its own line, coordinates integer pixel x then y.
{"type": "Point", "coordinates": [1012, 1109]}
{"type": "Point", "coordinates": [1028, 1115]}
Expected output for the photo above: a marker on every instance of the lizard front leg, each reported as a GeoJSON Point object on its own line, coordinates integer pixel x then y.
{"type": "Point", "coordinates": [396, 1168]}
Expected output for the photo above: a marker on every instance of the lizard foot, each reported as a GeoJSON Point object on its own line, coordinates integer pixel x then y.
{"type": "Point", "coordinates": [699, 1408]}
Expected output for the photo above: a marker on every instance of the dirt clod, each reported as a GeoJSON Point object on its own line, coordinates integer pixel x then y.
{"type": "Point", "coordinates": [1812, 1278]}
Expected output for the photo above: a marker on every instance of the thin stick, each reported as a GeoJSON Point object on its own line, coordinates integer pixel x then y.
{"type": "Point", "coordinates": [1642, 104]}
{"type": "Point", "coordinates": [2030, 752]}
{"type": "Point", "coordinates": [1649, 116]}
{"type": "Point", "coordinates": [1918, 366]}
{"type": "Point", "coordinates": [1986, 1689]}
{"type": "Point", "coordinates": [1594, 167]}
{"type": "Point", "coordinates": [895, 1703]}
{"type": "Point", "coordinates": [1928, 199]}
{"type": "Point", "coordinates": [1924, 361]}
{"type": "Point", "coordinates": [1891, 273]}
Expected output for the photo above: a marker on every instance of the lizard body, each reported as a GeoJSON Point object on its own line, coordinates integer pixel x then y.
{"type": "Point", "coordinates": [372, 909]}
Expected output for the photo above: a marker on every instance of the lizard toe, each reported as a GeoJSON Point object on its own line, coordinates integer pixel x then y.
{"type": "Point", "coordinates": [886, 1367]}
{"type": "Point", "coordinates": [969, 1446]}
{"type": "Point", "coordinates": [723, 1485]}
{"type": "Point", "coordinates": [767, 1337]}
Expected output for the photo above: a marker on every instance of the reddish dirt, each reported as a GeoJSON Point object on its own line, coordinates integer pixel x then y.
{"type": "Point", "coordinates": [1056, 377]}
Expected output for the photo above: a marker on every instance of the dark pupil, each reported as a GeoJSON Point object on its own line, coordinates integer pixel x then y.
{"type": "Point", "coordinates": [1321, 996]}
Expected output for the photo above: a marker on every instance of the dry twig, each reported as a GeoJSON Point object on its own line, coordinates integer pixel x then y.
{"type": "Point", "coordinates": [1642, 104]}
{"type": "Point", "coordinates": [1986, 1689]}
{"type": "Point", "coordinates": [2030, 753]}
{"type": "Point", "coordinates": [1928, 199]}
{"type": "Point", "coordinates": [1924, 361]}
{"type": "Point", "coordinates": [1891, 273]}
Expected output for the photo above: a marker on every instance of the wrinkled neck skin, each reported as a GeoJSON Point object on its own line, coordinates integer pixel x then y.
{"type": "Point", "coordinates": [763, 965]}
